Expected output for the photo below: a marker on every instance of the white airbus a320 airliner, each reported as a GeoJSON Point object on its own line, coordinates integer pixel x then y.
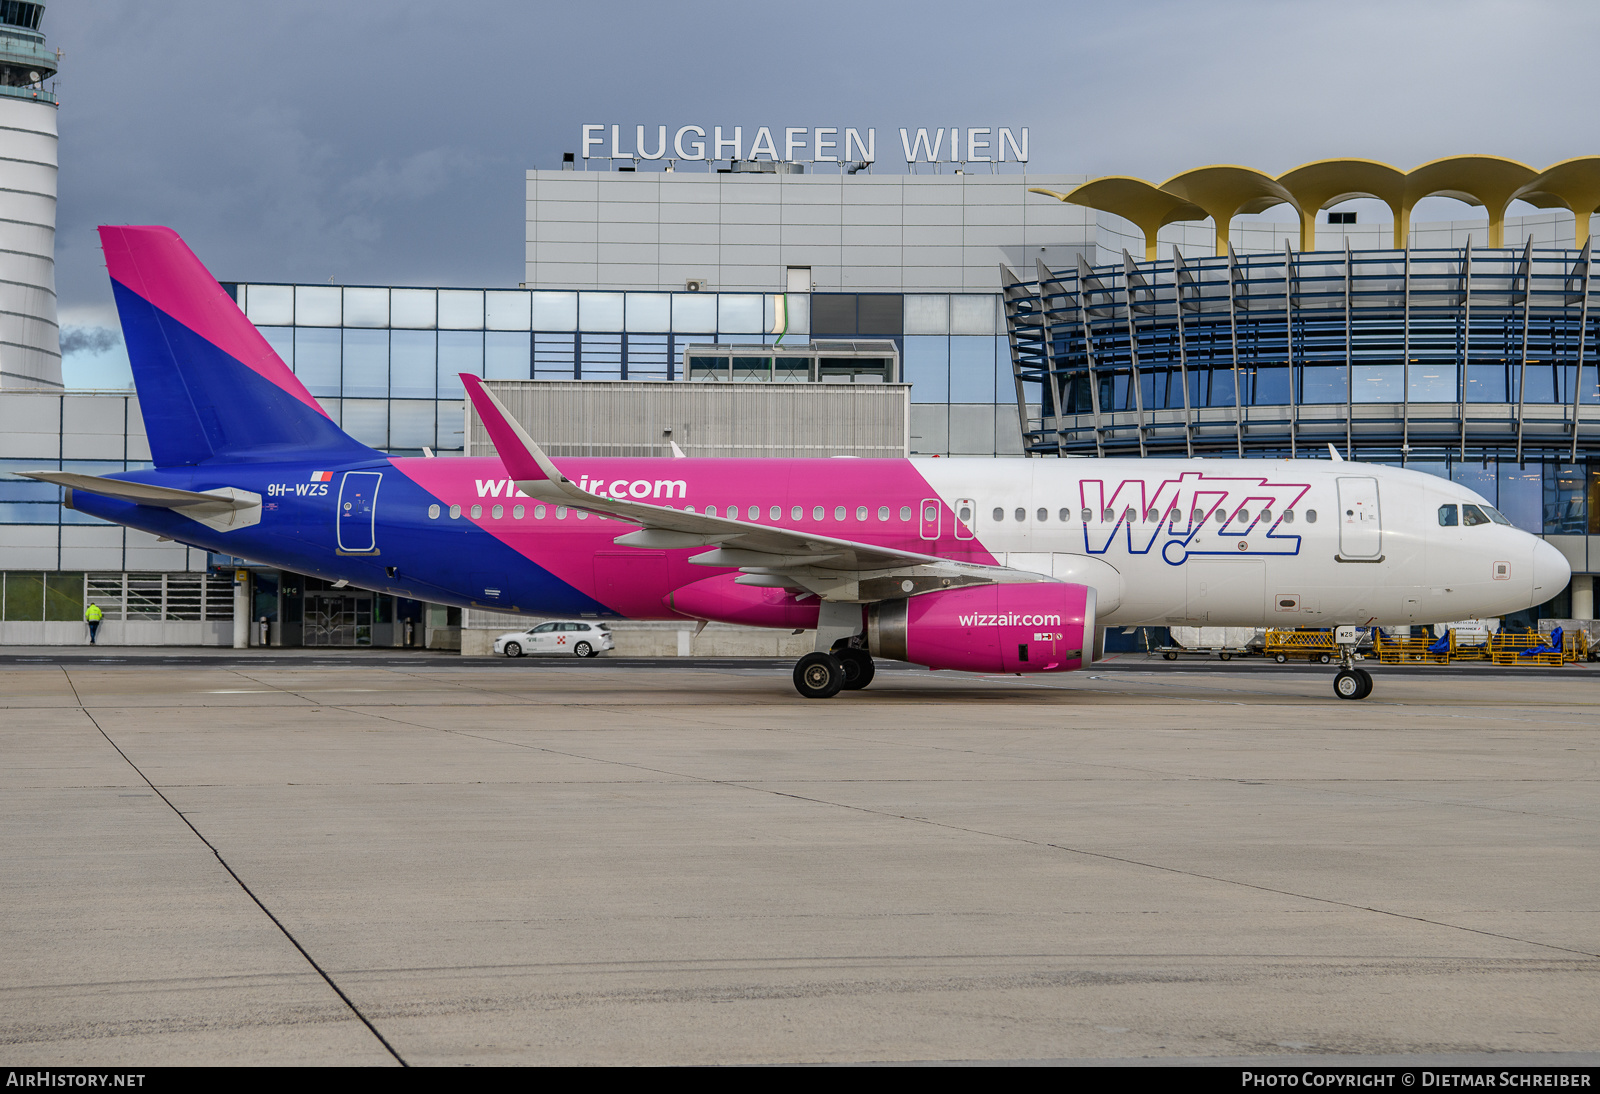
{"type": "Point", "coordinates": [997, 566]}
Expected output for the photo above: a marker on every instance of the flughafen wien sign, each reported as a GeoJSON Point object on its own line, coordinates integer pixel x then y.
{"type": "Point", "coordinates": [819, 144]}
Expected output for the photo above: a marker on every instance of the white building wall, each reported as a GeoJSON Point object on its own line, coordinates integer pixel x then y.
{"type": "Point", "coordinates": [741, 232]}
{"type": "Point", "coordinates": [30, 342]}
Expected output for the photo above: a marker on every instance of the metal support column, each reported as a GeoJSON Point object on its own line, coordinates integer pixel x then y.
{"type": "Point", "coordinates": [1233, 327]}
{"type": "Point", "coordinates": [1288, 348]}
{"type": "Point", "coordinates": [1466, 339]}
{"type": "Point", "coordinates": [1349, 359]}
{"type": "Point", "coordinates": [241, 609]}
{"type": "Point", "coordinates": [1181, 278]}
{"type": "Point", "coordinates": [1085, 280]}
{"type": "Point", "coordinates": [1012, 293]}
{"type": "Point", "coordinates": [1525, 275]}
{"type": "Point", "coordinates": [1582, 279]}
{"type": "Point", "coordinates": [1049, 287]}
{"type": "Point", "coordinates": [1128, 276]}
{"type": "Point", "coordinates": [1405, 360]}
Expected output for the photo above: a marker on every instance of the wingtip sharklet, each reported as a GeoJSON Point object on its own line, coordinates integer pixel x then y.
{"type": "Point", "coordinates": [523, 458]}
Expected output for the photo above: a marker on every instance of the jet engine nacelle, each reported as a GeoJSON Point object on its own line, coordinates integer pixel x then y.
{"type": "Point", "coordinates": [721, 599]}
{"type": "Point", "coordinates": [1032, 627]}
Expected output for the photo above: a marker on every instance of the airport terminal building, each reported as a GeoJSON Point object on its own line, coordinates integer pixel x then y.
{"type": "Point", "coordinates": [1005, 314]}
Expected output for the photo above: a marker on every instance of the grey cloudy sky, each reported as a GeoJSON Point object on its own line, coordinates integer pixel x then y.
{"type": "Point", "coordinates": [384, 142]}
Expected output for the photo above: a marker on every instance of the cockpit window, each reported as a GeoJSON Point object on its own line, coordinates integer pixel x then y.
{"type": "Point", "coordinates": [1448, 517]}
{"type": "Point", "coordinates": [1495, 515]}
{"type": "Point", "coordinates": [1472, 516]}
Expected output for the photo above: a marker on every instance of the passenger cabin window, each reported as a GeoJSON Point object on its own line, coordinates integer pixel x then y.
{"type": "Point", "coordinates": [965, 514]}
{"type": "Point", "coordinates": [1109, 517]}
{"type": "Point", "coordinates": [1151, 516]}
{"type": "Point", "coordinates": [1066, 516]}
{"type": "Point", "coordinates": [905, 512]}
{"type": "Point", "coordinates": [1311, 516]}
{"type": "Point", "coordinates": [861, 512]}
{"type": "Point", "coordinates": [1266, 516]}
{"type": "Point", "coordinates": [817, 512]}
{"type": "Point", "coordinates": [1021, 514]}
{"type": "Point", "coordinates": [883, 512]}
{"type": "Point", "coordinates": [1087, 516]}
{"type": "Point", "coordinates": [999, 514]}
{"type": "Point", "coordinates": [838, 512]}
{"type": "Point", "coordinates": [1448, 517]}
{"type": "Point", "coordinates": [1472, 516]}
{"type": "Point", "coordinates": [1288, 516]}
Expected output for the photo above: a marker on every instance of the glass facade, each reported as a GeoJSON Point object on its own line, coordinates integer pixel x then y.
{"type": "Point", "coordinates": [386, 362]}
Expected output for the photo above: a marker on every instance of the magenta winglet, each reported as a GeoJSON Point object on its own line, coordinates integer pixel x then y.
{"type": "Point", "coordinates": [154, 263]}
{"type": "Point", "coordinates": [508, 439]}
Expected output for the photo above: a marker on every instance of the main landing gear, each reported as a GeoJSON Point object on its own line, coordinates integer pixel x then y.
{"type": "Point", "coordinates": [824, 675]}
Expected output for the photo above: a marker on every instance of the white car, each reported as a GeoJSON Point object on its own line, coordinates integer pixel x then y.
{"type": "Point", "coordinates": [566, 636]}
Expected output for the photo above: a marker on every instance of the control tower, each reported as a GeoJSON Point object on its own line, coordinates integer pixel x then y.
{"type": "Point", "coordinates": [30, 342]}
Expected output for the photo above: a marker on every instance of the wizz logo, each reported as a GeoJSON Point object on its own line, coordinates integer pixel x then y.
{"type": "Point", "coordinates": [1237, 514]}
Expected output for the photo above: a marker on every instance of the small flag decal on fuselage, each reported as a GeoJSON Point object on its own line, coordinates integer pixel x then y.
{"type": "Point", "coordinates": [322, 476]}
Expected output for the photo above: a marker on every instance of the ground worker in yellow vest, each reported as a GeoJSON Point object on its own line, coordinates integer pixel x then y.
{"type": "Point", "coordinates": [93, 616]}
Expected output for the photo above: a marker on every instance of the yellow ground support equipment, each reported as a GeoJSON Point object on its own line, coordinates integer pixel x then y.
{"type": "Point", "coordinates": [1312, 645]}
{"type": "Point", "coordinates": [1533, 649]}
{"type": "Point", "coordinates": [1411, 651]}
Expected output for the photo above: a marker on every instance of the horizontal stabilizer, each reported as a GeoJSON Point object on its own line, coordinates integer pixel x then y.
{"type": "Point", "coordinates": [224, 508]}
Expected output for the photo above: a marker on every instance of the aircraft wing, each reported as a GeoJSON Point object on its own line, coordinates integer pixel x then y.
{"type": "Point", "coordinates": [834, 569]}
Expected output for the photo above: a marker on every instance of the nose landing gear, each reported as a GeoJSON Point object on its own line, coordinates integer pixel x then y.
{"type": "Point", "coordinates": [1350, 682]}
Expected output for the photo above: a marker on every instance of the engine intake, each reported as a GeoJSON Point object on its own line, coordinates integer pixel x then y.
{"type": "Point", "coordinates": [1032, 627]}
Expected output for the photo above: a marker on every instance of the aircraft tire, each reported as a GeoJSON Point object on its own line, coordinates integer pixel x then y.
{"type": "Point", "coordinates": [583, 649]}
{"type": "Point", "coordinates": [1366, 682]}
{"type": "Point", "coordinates": [513, 649]}
{"type": "Point", "coordinates": [818, 676]}
{"type": "Point", "coordinates": [1347, 685]}
{"type": "Point", "coordinates": [858, 669]}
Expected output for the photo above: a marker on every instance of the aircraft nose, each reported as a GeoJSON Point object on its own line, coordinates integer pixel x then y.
{"type": "Point", "coordinates": [1551, 571]}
